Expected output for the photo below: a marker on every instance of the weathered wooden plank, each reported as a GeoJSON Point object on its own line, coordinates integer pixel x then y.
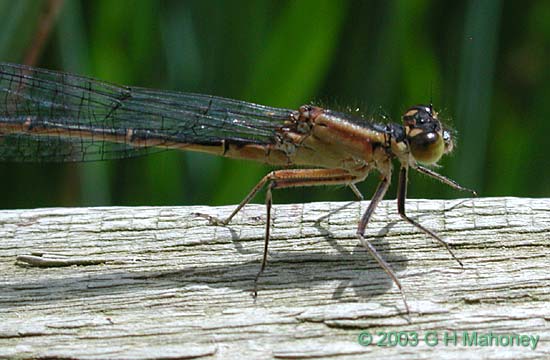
{"type": "Point", "coordinates": [157, 282]}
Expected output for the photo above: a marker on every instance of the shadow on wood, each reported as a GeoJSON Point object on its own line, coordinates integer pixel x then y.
{"type": "Point", "coordinates": [149, 282]}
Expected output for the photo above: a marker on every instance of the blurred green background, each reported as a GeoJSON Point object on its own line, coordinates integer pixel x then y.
{"type": "Point", "coordinates": [484, 65]}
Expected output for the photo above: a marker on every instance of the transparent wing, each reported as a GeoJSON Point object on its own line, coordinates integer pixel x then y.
{"type": "Point", "coordinates": [54, 116]}
{"type": "Point", "coordinates": [25, 148]}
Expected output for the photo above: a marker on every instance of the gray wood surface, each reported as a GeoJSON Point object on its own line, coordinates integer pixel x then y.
{"type": "Point", "coordinates": [160, 282]}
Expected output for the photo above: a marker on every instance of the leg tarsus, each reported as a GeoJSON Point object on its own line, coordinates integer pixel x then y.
{"type": "Point", "coordinates": [443, 179]}
{"type": "Point", "coordinates": [268, 204]}
{"type": "Point", "coordinates": [215, 221]}
{"type": "Point", "coordinates": [212, 220]}
{"type": "Point", "coordinates": [402, 195]}
{"type": "Point", "coordinates": [356, 192]}
{"type": "Point", "coordinates": [434, 236]}
{"type": "Point", "coordinates": [385, 266]}
{"type": "Point", "coordinates": [377, 197]}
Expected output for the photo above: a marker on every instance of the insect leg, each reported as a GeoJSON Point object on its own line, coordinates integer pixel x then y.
{"type": "Point", "coordinates": [401, 196]}
{"type": "Point", "coordinates": [292, 178]}
{"type": "Point", "coordinates": [443, 179]}
{"type": "Point", "coordinates": [356, 192]}
{"type": "Point", "coordinates": [377, 197]}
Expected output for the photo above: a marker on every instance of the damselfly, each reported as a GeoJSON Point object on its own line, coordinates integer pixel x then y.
{"type": "Point", "coordinates": [53, 116]}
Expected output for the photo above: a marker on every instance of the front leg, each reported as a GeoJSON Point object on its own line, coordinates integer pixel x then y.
{"type": "Point", "coordinates": [401, 197]}
{"type": "Point", "coordinates": [443, 179]}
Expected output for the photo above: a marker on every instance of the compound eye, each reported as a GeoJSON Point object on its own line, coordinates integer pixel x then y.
{"type": "Point", "coordinates": [427, 147]}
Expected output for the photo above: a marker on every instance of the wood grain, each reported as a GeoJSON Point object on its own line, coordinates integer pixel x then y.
{"type": "Point", "coordinates": [161, 282]}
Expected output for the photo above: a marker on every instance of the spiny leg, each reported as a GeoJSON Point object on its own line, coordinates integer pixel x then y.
{"type": "Point", "coordinates": [356, 192]}
{"type": "Point", "coordinates": [268, 205]}
{"type": "Point", "coordinates": [291, 178]}
{"type": "Point", "coordinates": [284, 179]}
{"type": "Point", "coordinates": [296, 178]}
{"type": "Point", "coordinates": [443, 179]}
{"type": "Point", "coordinates": [377, 197]}
{"type": "Point", "coordinates": [402, 195]}
{"type": "Point", "coordinates": [216, 221]}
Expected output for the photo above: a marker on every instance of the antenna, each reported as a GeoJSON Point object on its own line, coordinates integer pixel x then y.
{"type": "Point", "coordinates": [431, 94]}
